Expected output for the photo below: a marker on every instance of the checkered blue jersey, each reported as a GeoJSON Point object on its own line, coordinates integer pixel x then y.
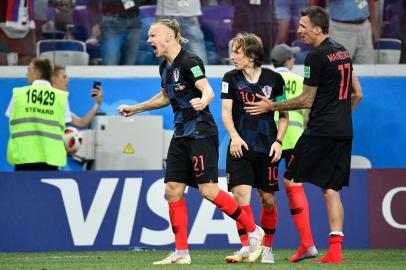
{"type": "Point", "coordinates": [258, 131]}
{"type": "Point", "coordinates": [179, 79]}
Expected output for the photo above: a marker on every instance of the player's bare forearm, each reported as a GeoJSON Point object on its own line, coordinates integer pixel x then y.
{"type": "Point", "coordinates": [282, 124]}
{"type": "Point", "coordinates": [207, 95]}
{"type": "Point", "coordinates": [227, 118]}
{"type": "Point", "coordinates": [356, 94]}
{"type": "Point", "coordinates": [304, 101]}
{"type": "Point", "coordinates": [158, 101]}
{"type": "Point", "coordinates": [237, 144]}
{"type": "Point", "coordinates": [207, 92]}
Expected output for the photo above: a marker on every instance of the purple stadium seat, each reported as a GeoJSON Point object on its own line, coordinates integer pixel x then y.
{"type": "Point", "coordinates": [63, 52]}
{"type": "Point", "coordinates": [81, 23]}
{"type": "Point", "coordinates": [387, 51]}
{"type": "Point", "coordinates": [217, 26]}
{"type": "Point", "coordinates": [393, 13]}
{"type": "Point", "coordinates": [81, 2]}
{"type": "Point", "coordinates": [147, 11]}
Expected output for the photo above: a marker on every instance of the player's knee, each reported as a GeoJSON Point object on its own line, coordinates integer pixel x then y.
{"type": "Point", "coordinates": [208, 192]}
{"type": "Point", "coordinates": [242, 195]}
{"type": "Point", "coordinates": [267, 201]}
{"type": "Point", "coordinates": [239, 197]}
{"type": "Point", "coordinates": [173, 193]}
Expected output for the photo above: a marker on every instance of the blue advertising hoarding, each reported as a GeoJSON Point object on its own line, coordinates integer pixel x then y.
{"type": "Point", "coordinates": [118, 210]}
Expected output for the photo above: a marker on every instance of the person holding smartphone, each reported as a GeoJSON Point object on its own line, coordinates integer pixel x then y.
{"type": "Point", "coordinates": [60, 81]}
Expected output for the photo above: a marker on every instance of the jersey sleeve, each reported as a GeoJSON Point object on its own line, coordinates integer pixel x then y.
{"type": "Point", "coordinates": [226, 87]}
{"type": "Point", "coordinates": [312, 69]}
{"type": "Point", "coordinates": [280, 88]}
{"type": "Point", "coordinates": [195, 69]}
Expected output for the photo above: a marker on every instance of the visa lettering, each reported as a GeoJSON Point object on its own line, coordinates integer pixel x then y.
{"type": "Point", "coordinates": [84, 229]}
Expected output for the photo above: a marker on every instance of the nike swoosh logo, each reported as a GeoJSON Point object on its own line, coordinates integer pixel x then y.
{"type": "Point", "coordinates": [198, 175]}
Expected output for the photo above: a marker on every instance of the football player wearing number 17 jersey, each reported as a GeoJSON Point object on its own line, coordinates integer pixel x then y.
{"type": "Point", "coordinates": [331, 90]}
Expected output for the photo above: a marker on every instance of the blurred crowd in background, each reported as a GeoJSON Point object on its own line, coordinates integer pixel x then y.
{"type": "Point", "coordinates": [115, 32]}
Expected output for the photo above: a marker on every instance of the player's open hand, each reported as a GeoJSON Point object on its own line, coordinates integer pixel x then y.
{"type": "Point", "coordinates": [263, 106]}
{"type": "Point", "coordinates": [125, 110]}
{"type": "Point", "coordinates": [198, 104]}
{"type": "Point", "coordinates": [236, 147]}
{"type": "Point", "coordinates": [276, 151]}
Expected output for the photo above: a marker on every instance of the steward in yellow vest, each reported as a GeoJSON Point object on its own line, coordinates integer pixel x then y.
{"type": "Point", "coordinates": [283, 59]}
{"type": "Point", "coordinates": [37, 122]}
{"type": "Point", "coordinates": [293, 88]}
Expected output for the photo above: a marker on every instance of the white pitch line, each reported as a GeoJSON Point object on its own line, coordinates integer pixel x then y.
{"type": "Point", "coordinates": [49, 257]}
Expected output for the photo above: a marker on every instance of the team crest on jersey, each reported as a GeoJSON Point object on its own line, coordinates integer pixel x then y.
{"type": "Point", "coordinates": [176, 74]}
{"type": "Point", "coordinates": [267, 90]}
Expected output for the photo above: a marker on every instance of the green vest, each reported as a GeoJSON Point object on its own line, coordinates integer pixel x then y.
{"type": "Point", "coordinates": [37, 124]}
{"type": "Point", "coordinates": [293, 88]}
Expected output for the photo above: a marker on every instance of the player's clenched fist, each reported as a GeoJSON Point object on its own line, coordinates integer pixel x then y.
{"type": "Point", "coordinates": [198, 104]}
{"type": "Point", "coordinates": [125, 110]}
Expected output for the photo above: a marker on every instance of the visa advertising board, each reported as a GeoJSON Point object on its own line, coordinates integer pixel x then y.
{"type": "Point", "coordinates": [118, 210]}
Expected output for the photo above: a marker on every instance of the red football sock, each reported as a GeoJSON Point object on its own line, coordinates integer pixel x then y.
{"type": "Point", "coordinates": [242, 233]}
{"type": "Point", "coordinates": [179, 219]}
{"type": "Point", "coordinates": [334, 254]}
{"type": "Point", "coordinates": [299, 208]}
{"type": "Point", "coordinates": [228, 205]}
{"type": "Point", "coordinates": [269, 219]}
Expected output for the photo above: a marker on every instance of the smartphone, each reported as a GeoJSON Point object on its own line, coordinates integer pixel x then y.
{"type": "Point", "coordinates": [96, 84]}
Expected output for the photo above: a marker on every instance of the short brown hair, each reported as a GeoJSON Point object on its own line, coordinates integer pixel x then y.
{"type": "Point", "coordinates": [251, 45]}
{"type": "Point", "coordinates": [44, 67]}
{"type": "Point", "coordinates": [318, 17]}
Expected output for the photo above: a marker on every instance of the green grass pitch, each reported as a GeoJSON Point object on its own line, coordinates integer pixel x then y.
{"type": "Point", "coordinates": [201, 259]}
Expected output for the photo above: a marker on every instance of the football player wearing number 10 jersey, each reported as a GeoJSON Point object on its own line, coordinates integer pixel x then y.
{"type": "Point", "coordinates": [331, 90]}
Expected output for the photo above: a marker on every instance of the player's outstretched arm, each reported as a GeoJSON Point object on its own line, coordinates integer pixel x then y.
{"type": "Point", "coordinates": [356, 94]}
{"type": "Point", "coordinates": [158, 101]}
{"type": "Point", "coordinates": [304, 101]}
{"type": "Point", "coordinates": [207, 95]}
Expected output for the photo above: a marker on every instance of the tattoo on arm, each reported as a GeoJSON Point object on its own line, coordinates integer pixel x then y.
{"type": "Point", "coordinates": [304, 101]}
{"type": "Point", "coordinates": [165, 94]}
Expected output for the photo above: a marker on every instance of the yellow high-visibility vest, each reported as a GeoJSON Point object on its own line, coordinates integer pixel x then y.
{"type": "Point", "coordinates": [293, 88]}
{"type": "Point", "coordinates": [37, 124]}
